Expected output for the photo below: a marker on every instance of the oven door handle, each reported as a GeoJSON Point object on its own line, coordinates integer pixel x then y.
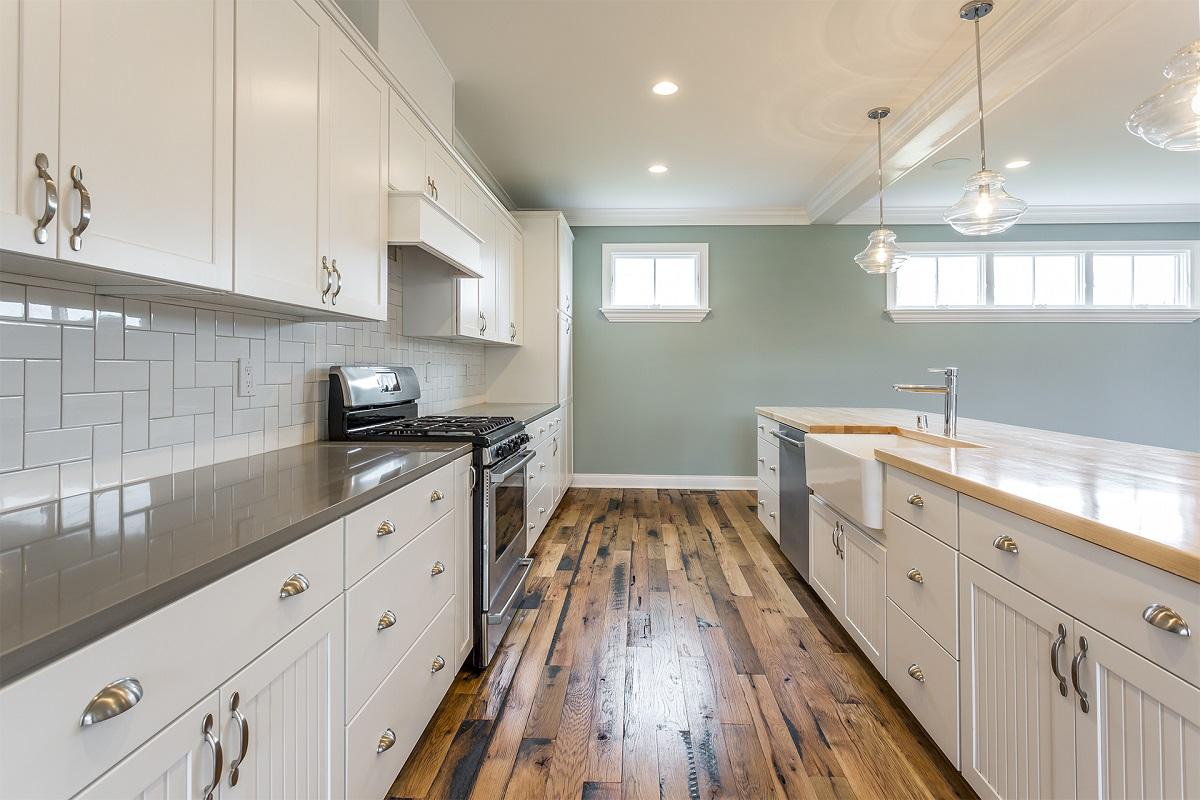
{"type": "Point", "coordinates": [521, 458]}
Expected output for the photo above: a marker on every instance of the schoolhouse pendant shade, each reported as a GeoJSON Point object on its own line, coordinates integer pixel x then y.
{"type": "Point", "coordinates": [881, 254]}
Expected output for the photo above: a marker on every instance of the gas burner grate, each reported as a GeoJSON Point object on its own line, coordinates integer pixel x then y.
{"type": "Point", "coordinates": [449, 426]}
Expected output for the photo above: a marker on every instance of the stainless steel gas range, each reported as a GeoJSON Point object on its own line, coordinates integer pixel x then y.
{"type": "Point", "coordinates": [379, 404]}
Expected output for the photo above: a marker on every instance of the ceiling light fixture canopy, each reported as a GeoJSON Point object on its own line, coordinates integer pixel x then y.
{"type": "Point", "coordinates": [1170, 118]}
{"type": "Point", "coordinates": [881, 254]}
{"type": "Point", "coordinates": [985, 207]}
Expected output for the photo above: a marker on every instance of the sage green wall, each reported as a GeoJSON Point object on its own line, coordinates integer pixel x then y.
{"type": "Point", "coordinates": [795, 322]}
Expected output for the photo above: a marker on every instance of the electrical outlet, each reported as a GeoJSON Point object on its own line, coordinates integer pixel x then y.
{"type": "Point", "coordinates": [245, 376]}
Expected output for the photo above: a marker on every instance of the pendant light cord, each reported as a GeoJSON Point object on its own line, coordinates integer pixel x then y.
{"type": "Point", "coordinates": [979, 89]}
{"type": "Point", "coordinates": [879, 150]}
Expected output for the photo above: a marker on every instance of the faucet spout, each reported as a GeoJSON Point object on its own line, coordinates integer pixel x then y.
{"type": "Point", "coordinates": [949, 389]}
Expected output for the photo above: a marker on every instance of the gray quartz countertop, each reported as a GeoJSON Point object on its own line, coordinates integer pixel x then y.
{"type": "Point", "coordinates": [526, 412]}
{"type": "Point", "coordinates": [76, 569]}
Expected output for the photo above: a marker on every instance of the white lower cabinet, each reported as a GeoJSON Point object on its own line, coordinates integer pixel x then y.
{"type": "Point", "coordinates": [925, 677]}
{"type": "Point", "coordinates": [183, 761]}
{"type": "Point", "coordinates": [283, 715]}
{"type": "Point", "coordinates": [464, 480]}
{"type": "Point", "coordinates": [828, 574]}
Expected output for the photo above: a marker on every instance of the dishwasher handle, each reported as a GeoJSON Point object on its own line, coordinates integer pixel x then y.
{"type": "Point", "coordinates": [788, 439]}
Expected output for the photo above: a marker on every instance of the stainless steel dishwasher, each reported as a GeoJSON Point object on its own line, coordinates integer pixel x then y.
{"type": "Point", "coordinates": [793, 498]}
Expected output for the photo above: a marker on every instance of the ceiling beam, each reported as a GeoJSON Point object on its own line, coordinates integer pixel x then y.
{"type": "Point", "coordinates": [1023, 43]}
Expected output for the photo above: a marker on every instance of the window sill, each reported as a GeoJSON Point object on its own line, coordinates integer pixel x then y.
{"type": "Point", "coordinates": [1043, 314]}
{"type": "Point", "coordinates": [654, 314]}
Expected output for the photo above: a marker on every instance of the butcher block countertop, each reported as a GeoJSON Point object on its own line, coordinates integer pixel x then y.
{"type": "Point", "coordinates": [1140, 501]}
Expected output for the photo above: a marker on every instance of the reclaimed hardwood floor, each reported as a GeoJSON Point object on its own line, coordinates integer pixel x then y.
{"type": "Point", "coordinates": [668, 650]}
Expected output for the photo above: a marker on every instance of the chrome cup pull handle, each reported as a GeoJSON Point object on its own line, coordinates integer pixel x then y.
{"type": "Point", "coordinates": [386, 620]}
{"type": "Point", "coordinates": [41, 232]}
{"type": "Point", "coordinates": [214, 744]}
{"type": "Point", "coordinates": [386, 740]}
{"type": "Point", "coordinates": [85, 208]}
{"type": "Point", "coordinates": [386, 528]}
{"type": "Point", "coordinates": [916, 673]}
{"type": "Point", "coordinates": [294, 585]}
{"type": "Point", "coordinates": [338, 273]}
{"type": "Point", "coordinates": [1006, 543]}
{"type": "Point", "coordinates": [328, 278]}
{"type": "Point", "coordinates": [243, 724]}
{"type": "Point", "coordinates": [438, 664]}
{"type": "Point", "coordinates": [915, 499]}
{"type": "Point", "coordinates": [915, 575]}
{"type": "Point", "coordinates": [437, 569]}
{"type": "Point", "coordinates": [115, 698]}
{"type": "Point", "coordinates": [1055, 650]}
{"type": "Point", "coordinates": [436, 495]}
{"type": "Point", "coordinates": [1166, 619]}
{"type": "Point", "coordinates": [1084, 704]}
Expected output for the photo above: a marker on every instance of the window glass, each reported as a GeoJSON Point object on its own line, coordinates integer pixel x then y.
{"type": "Point", "coordinates": [958, 280]}
{"type": "Point", "coordinates": [632, 281]}
{"type": "Point", "coordinates": [1112, 280]}
{"type": "Point", "coordinates": [1013, 280]}
{"type": "Point", "coordinates": [675, 281]}
{"type": "Point", "coordinates": [1056, 280]}
{"type": "Point", "coordinates": [916, 282]}
{"type": "Point", "coordinates": [1154, 280]}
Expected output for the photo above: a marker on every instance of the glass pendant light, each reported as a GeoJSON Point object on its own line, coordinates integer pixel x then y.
{"type": "Point", "coordinates": [881, 255]}
{"type": "Point", "coordinates": [1170, 118]}
{"type": "Point", "coordinates": [985, 207]}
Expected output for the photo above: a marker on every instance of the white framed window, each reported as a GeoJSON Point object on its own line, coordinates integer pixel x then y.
{"type": "Point", "coordinates": [665, 282]}
{"type": "Point", "coordinates": [1047, 282]}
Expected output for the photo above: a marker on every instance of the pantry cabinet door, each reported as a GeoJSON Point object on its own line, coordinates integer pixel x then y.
{"type": "Point", "coordinates": [29, 126]}
{"type": "Point", "coordinates": [1018, 726]}
{"type": "Point", "coordinates": [146, 138]}
{"type": "Point", "coordinates": [180, 762]}
{"type": "Point", "coordinates": [1138, 733]}
{"type": "Point", "coordinates": [281, 198]}
{"type": "Point", "coordinates": [292, 699]}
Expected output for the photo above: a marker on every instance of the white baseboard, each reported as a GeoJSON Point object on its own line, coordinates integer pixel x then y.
{"type": "Point", "coordinates": [622, 481]}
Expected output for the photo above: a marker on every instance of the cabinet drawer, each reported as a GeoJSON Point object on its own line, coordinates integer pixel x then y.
{"type": "Point", "coordinates": [409, 588]}
{"type": "Point", "coordinates": [406, 511]}
{"type": "Point", "coordinates": [930, 506]}
{"type": "Point", "coordinates": [539, 429]}
{"type": "Point", "coordinates": [922, 579]}
{"type": "Point", "coordinates": [768, 509]}
{"type": "Point", "coordinates": [764, 427]}
{"type": "Point", "coordinates": [540, 469]}
{"type": "Point", "coordinates": [934, 700]}
{"type": "Point", "coordinates": [1106, 590]}
{"type": "Point", "coordinates": [177, 655]}
{"type": "Point", "coordinates": [768, 465]}
{"type": "Point", "coordinates": [537, 514]}
{"type": "Point", "coordinates": [402, 706]}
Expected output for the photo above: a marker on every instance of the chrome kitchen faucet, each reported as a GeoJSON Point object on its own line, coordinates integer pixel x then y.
{"type": "Point", "coordinates": [950, 390]}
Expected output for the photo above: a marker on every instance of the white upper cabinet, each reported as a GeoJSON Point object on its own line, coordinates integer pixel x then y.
{"type": "Point", "coordinates": [488, 224]}
{"type": "Point", "coordinates": [444, 176]}
{"type": "Point", "coordinates": [406, 149]}
{"type": "Point", "coordinates": [358, 167]}
{"type": "Point", "coordinates": [566, 266]}
{"type": "Point", "coordinates": [139, 96]}
{"type": "Point", "coordinates": [565, 341]}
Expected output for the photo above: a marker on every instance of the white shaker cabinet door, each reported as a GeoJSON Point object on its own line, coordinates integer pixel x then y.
{"type": "Point", "coordinates": [488, 258]}
{"type": "Point", "coordinates": [566, 266]}
{"type": "Point", "coordinates": [1139, 736]}
{"type": "Point", "coordinates": [281, 195]}
{"type": "Point", "coordinates": [358, 142]}
{"type": "Point", "coordinates": [182, 762]}
{"type": "Point", "coordinates": [146, 138]}
{"type": "Point", "coordinates": [1018, 726]}
{"type": "Point", "coordinates": [464, 507]}
{"type": "Point", "coordinates": [406, 148]}
{"type": "Point", "coordinates": [29, 126]}
{"type": "Point", "coordinates": [566, 341]}
{"type": "Point", "coordinates": [470, 322]}
{"type": "Point", "coordinates": [828, 569]}
{"type": "Point", "coordinates": [286, 736]}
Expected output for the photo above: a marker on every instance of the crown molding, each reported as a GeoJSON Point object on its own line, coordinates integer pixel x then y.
{"type": "Point", "coordinates": [601, 217]}
{"type": "Point", "coordinates": [490, 181]}
{"type": "Point", "coordinates": [1020, 47]}
{"type": "Point", "coordinates": [1039, 215]}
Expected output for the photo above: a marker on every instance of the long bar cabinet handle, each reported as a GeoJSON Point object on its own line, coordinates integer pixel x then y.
{"type": "Point", "coordinates": [85, 208]}
{"type": "Point", "coordinates": [328, 278]}
{"type": "Point", "coordinates": [1165, 618]}
{"type": "Point", "coordinates": [214, 744]}
{"type": "Point", "coordinates": [337, 273]}
{"type": "Point", "coordinates": [1055, 650]}
{"type": "Point", "coordinates": [41, 232]}
{"type": "Point", "coordinates": [115, 698]}
{"type": "Point", "coordinates": [240, 720]}
{"type": "Point", "coordinates": [1076, 662]}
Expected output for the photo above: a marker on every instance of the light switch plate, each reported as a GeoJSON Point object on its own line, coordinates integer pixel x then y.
{"type": "Point", "coordinates": [245, 376]}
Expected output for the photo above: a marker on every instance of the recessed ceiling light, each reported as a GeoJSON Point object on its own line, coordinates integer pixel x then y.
{"type": "Point", "coordinates": [1020, 162]}
{"type": "Point", "coordinates": [658, 169]}
{"type": "Point", "coordinates": [665, 88]}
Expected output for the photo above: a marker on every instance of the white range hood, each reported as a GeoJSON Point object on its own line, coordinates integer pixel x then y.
{"type": "Point", "coordinates": [414, 220]}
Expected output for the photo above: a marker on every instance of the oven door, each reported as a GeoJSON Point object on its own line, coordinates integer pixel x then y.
{"type": "Point", "coordinates": [504, 562]}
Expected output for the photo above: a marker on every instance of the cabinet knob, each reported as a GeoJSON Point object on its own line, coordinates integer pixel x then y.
{"type": "Point", "coordinates": [532, 526]}
{"type": "Point", "coordinates": [386, 620]}
{"type": "Point", "coordinates": [1006, 543]}
{"type": "Point", "coordinates": [915, 499]}
{"type": "Point", "coordinates": [541, 510]}
{"type": "Point", "coordinates": [773, 468]}
{"type": "Point", "coordinates": [115, 698]}
{"type": "Point", "coordinates": [762, 460]}
{"type": "Point", "coordinates": [386, 740]}
{"type": "Point", "coordinates": [436, 495]}
{"type": "Point", "coordinates": [437, 569]}
{"type": "Point", "coordinates": [41, 232]}
{"type": "Point", "coordinates": [916, 673]}
{"type": "Point", "coordinates": [437, 665]}
{"type": "Point", "coordinates": [771, 514]}
{"type": "Point", "coordinates": [762, 503]}
{"type": "Point", "coordinates": [915, 575]}
{"type": "Point", "coordinates": [386, 528]}
{"type": "Point", "coordinates": [1165, 618]}
{"type": "Point", "coordinates": [294, 585]}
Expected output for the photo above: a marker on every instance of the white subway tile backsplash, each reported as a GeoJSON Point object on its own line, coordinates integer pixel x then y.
{"type": "Point", "coordinates": [106, 455]}
{"type": "Point", "coordinates": [43, 394]}
{"type": "Point", "coordinates": [214, 373]}
{"type": "Point", "coordinates": [78, 359]}
{"type": "Point", "coordinates": [223, 416]}
{"type": "Point", "coordinates": [30, 340]}
{"type": "Point", "coordinates": [94, 408]}
{"type": "Point", "coordinates": [246, 325]}
{"type": "Point", "coordinates": [231, 348]}
{"type": "Point", "coordinates": [224, 323]}
{"type": "Point", "coordinates": [194, 401]}
{"type": "Point", "coordinates": [12, 376]}
{"type": "Point", "coordinates": [162, 401]}
{"type": "Point", "coordinates": [137, 313]}
{"type": "Point", "coordinates": [230, 447]}
{"type": "Point", "coordinates": [204, 439]}
{"type": "Point", "coordinates": [12, 430]}
{"type": "Point", "coordinates": [185, 360]}
{"type": "Point", "coordinates": [145, 464]}
{"type": "Point", "coordinates": [246, 420]}
{"type": "Point", "coordinates": [206, 328]}
{"type": "Point", "coordinates": [28, 487]}
{"type": "Point", "coordinates": [135, 421]}
{"type": "Point", "coordinates": [110, 327]}
{"type": "Point", "coordinates": [58, 445]}
{"type": "Point", "coordinates": [172, 318]}
{"type": "Point", "coordinates": [122, 376]}
{"type": "Point", "coordinates": [75, 478]}
{"type": "Point", "coordinates": [172, 430]}
{"type": "Point", "coordinates": [59, 305]}
{"type": "Point", "coordinates": [149, 345]}
{"type": "Point", "coordinates": [12, 301]}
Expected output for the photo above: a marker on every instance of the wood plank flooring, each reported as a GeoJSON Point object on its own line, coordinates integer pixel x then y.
{"type": "Point", "coordinates": [668, 650]}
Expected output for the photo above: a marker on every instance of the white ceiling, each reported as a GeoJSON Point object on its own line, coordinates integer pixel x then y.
{"type": "Point", "coordinates": [554, 97]}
